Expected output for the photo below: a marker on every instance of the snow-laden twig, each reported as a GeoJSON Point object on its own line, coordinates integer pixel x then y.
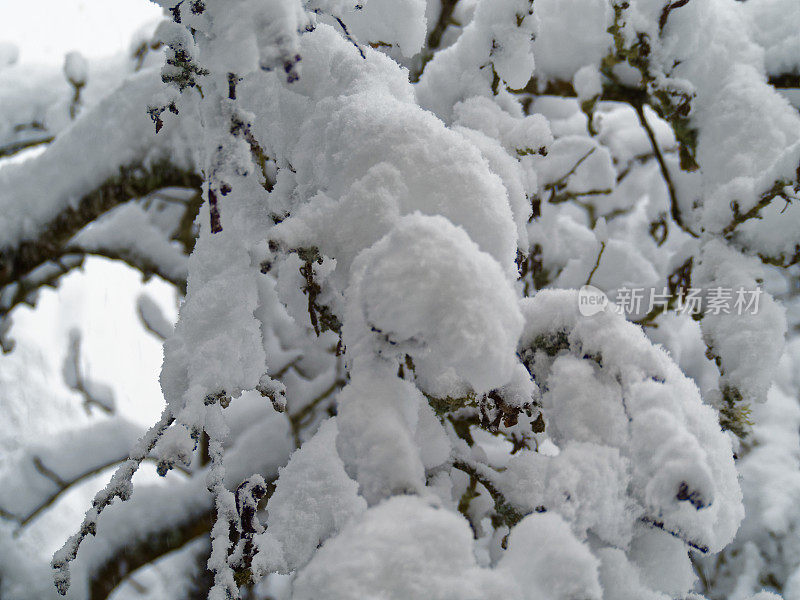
{"type": "Point", "coordinates": [119, 487]}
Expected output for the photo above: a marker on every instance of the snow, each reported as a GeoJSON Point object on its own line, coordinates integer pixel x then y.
{"type": "Point", "coordinates": [622, 580]}
{"type": "Point", "coordinates": [29, 482]}
{"type": "Point", "coordinates": [61, 175]}
{"type": "Point", "coordinates": [548, 562]}
{"type": "Point", "coordinates": [772, 23]}
{"type": "Point", "coordinates": [577, 25]}
{"type": "Point", "coordinates": [354, 331]}
{"type": "Point", "coordinates": [748, 345]}
{"type": "Point", "coordinates": [406, 549]}
{"type": "Point", "coordinates": [75, 69]}
{"type": "Point", "coordinates": [585, 484]}
{"type": "Point", "coordinates": [314, 499]}
{"type": "Point", "coordinates": [400, 22]}
{"type": "Point", "coordinates": [675, 441]}
{"type": "Point", "coordinates": [129, 231]}
{"type": "Point", "coordinates": [466, 68]}
{"type": "Point", "coordinates": [377, 420]}
{"type": "Point", "coordinates": [459, 321]}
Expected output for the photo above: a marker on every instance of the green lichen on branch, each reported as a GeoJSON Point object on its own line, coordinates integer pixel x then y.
{"type": "Point", "coordinates": [734, 413]}
{"type": "Point", "coordinates": [505, 512]}
{"type": "Point", "coordinates": [181, 70]}
{"type": "Point", "coordinates": [446, 405]}
{"type": "Point", "coordinates": [552, 343]}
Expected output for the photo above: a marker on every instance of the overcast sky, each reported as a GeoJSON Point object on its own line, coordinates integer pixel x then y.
{"type": "Point", "coordinates": [45, 30]}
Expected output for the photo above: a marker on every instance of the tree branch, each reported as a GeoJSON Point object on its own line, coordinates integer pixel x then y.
{"type": "Point", "coordinates": [435, 37]}
{"type": "Point", "coordinates": [17, 147]}
{"type": "Point", "coordinates": [508, 513]}
{"type": "Point", "coordinates": [133, 181]}
{"type": "Point", "coordinates": [675, 209]}
{"type": "Point", "coordinates": [62, 486]}
{"type": "Point", "coordinates": [133, 556]}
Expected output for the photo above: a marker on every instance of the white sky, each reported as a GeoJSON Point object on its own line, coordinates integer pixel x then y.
{"type": "Point", "coordinates": [45, 30]}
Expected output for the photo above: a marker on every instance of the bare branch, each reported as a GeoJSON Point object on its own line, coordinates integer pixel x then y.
{"type": "Point", "coordinates": [675, 209]}
{"type": "Point", "coordinates": [63, 486]}
{"type": "Point", "coordinates": [17, 147]}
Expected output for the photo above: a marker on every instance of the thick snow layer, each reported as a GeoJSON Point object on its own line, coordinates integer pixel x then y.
{"type": "Point", "coordinates": [377, 419]}
{"type": "Point", "coordinates": [337, 193]}
{"type": "Point", "coordinates": [749, 344]}
{"type": "Point", "coordinates": [548, 562]}
{"type": "Point", "coordinates": [773, 24]}
{"type": "Point", "coordinates": [585, 483]}
{"type": "Point", "coordinates": [572, 34]}
{"type": "Point", "coordinates": [457, 316]}
{"type": "Point", "coordinates": [400, 22]}
{"type": "Point", "coordinates": [442, 173]}
{"type": "Point", "coordinates": [402, 548]}
{"type": "Point", "coordinates": [117, 132]}
{"type": "Point", "coordinates": [469, 66]}
{"type": "Point", "coordinates": [313, 500]}
{"type": "Point", "coordinates": [747, 132]}
{"type": "Point", "coordinates": [628, 394]}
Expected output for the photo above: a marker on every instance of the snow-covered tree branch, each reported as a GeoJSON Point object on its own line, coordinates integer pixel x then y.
{"type": "Point", "coordinates": [479, 299]}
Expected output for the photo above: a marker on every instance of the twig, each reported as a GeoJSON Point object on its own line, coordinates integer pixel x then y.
{"type": "Point", "coordinates": [349, 37]}
{"type": "Point", "coordinates": [597, 262]}
{"type": "Point", "coordinates": [676, 534]}
{"type": "Point", "coordinates": [662, 21]}
{"type": "Point", "coordinates": [510, 515]}
{"type": "Point", "coordinates": [16, 147]}
{"type": "Point", "coordinates": [118, 487]}
{"type": "Point", "coordinates": [62, 486]}
{"type": "Point", "coordinates": [298, 418]}
{"type": "Point", "coordinates": [675, 210]}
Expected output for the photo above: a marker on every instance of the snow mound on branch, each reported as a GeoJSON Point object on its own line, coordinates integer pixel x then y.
{"type": "Point", "coordinates": [749, 344]}
{"type": "Point", "coordinates": [403, 548]}
{"type": "Point", "coordinates": [427, 291]}
{"type": "Point", "coordinates": [585, 483]}
{"type": "Point", "coordinates": [496, 45]}
{"type": "Point", "coordinates": [400, 22]}
{"type": "Point", "coordinates": [115, 132]}
{"type": "Point", "coordinates": [442, 172]}
{"type": "Point", "coordinates": [621, 391]}
{"type": "Point", "coordinates": [548, 562]}
{"type": "Point", "coordinates": [314, 499]}
{"type": "Point", "coordinates": [581, 26]}
{"type": "Point", "coordinates": [387, 433]}
{"type": "Point", "coordinates": [217, 343]}
{"type": "Point", "coordinates": [773, 25]}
